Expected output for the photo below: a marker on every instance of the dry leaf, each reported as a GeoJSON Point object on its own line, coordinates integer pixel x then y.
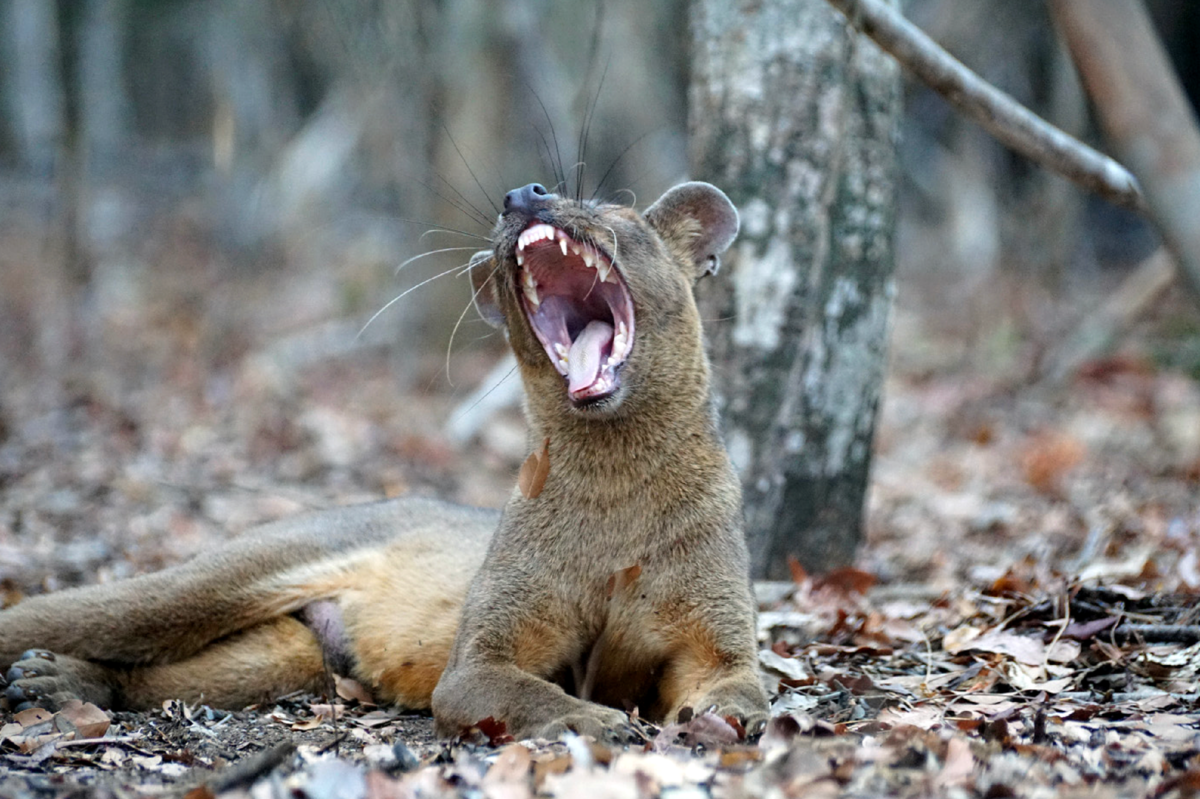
{"type": "Point", "coordinates": [352, 689]}
{"type": "Point", "coordinates": [91, 721]}
{"type": "Point", "coordinates": [1048, 457]}
{"type": "Point", "coordinates": [511, 765]}
{"type": "Point", "coordinates": [200, 792]}
{"type": "Point", "coordinates": [534, 471]}
{"type": "Point", "coordinates": [958, 764]}
{"type": "Point", "coordinates": [846, 580]}
{"type": "Point", "coordinates": [32, 716]}
{"type": "Point", "coordinates": [799, 575]}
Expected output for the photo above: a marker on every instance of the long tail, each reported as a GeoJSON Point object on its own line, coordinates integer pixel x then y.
{"type": "Point", "coordinates": [175, 613]}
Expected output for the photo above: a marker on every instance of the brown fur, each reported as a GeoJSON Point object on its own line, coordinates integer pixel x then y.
{"type": "Point", "coordinates": [514, 617]}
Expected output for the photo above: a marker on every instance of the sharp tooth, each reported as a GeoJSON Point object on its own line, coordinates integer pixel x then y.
{"type": "Point", "coordinates": [589, 258]}
{"type": "Point", "coordinates": [530, 286]}
{"type": "Point", "coordinates": [603, 267]}
{"type": "Point", "coordinates": [575, 249]}
{"type": "Point", "coordinates": [520, 258]}
{"type": "Point", "coordinates": [561, 350]}
{"type": "Point", "coordinates": [562, 365]}
{"type": "Point", "coordinates": [562, 245]}
{"type": "Point", "coordinates": [620, 342]}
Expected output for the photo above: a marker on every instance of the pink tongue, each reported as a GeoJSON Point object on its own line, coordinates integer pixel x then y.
{"type": "Point", "coordinates": [583, 361]}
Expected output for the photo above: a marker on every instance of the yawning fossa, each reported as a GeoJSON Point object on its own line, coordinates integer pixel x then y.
{"type": "Point", "coordinates": [621, 582]}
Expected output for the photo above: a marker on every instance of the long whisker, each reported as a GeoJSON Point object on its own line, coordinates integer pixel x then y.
{"type": "Point", "coordinates": [451, 230]}
{"type": "Point", "coordinates": [561, 175]}
{"type": "Point", "coordinates": [462, 203]}
{"type": "Point", "coordinates": [617, 160]}
{"type": "Point", "coordinates": [592, 287]}
{"type": "Point", "coordinates": [487, 393]}
{"type": "Point", "coordinates": [632, 196]}
{"type": "Point", "coordinates": [463, 197]}
{"type": "Point", "coordinates": [616, 248]}
{"type": "Point", "coordinates": [469, 170]}
{"type": "Point", "coordinates": [402, 295]}
{"type": "Point", "coordinates": [430, 252]}
{"type": "Point", "coordinates": [463, 315]}
{"type": "Point", "coordinates": [549, 155]}
{"type": "Point", "coordinates": [589, 116]}
{"type": "Point", "coordinates": [466, 210]}
{"type": "Point", "coordinates": [443, 229]}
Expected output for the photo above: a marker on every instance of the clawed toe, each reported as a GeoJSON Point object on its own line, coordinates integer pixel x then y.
{"type": "Point", "coordinates": [34, 681]}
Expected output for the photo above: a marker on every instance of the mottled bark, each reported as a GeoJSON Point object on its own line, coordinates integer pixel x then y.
{"type": "Point", "coordinates": [795, 117]}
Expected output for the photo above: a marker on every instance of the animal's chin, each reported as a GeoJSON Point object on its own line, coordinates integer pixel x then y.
{"type": "Point", "coordinates": [580, 309]}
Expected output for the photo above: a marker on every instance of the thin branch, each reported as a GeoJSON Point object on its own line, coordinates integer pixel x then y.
{"type": "Point", "coordinates": [1144, 112]}
{"type": "Point", "coordinates": [1161, 633]}
{"type": "Point", "coordinates": [999, 114]}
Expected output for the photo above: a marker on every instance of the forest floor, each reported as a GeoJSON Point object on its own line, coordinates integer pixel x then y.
{"type": "Point", "coordinates": [1023, 620]}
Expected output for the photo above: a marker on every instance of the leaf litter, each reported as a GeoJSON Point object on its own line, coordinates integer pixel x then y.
{"type": "Point", "coordinates": [1022, 622]}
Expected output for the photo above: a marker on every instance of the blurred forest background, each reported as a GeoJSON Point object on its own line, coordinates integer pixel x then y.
{"type": "Point", "coordinates": [202, 203]}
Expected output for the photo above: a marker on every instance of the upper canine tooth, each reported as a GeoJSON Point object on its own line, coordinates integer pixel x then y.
{"type": "Point", "coordinates": [604, 268]}
{"type": "Point", "coordinates": [562, 244]}
{"type": "Point", "coordinates": [520, 258]}
{"type": "Point", "coordinates": [588, 257]}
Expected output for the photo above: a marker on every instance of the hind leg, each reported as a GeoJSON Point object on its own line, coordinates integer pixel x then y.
{"type": "Point", "coordinates": [270, 659]}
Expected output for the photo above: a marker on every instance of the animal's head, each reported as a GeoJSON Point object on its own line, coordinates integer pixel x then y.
{"type": "Point", "coordinates": [597, 298]}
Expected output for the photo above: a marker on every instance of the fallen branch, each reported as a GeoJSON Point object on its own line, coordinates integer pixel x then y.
{"type": "Point", "coordinates": [249, 770]}
{"type": "Point", "coordinates": [1160, 633]}
{"type": "Point", "coordinates": [999, 114]}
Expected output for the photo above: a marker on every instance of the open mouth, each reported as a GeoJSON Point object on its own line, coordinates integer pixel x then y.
{"type": "Point", "coordinates": [579, 307]}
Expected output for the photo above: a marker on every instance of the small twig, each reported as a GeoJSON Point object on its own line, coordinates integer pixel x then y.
{"type": "Point", "coordinates": [1160, 633]}
{"type": "Point", "coordinates": [999, 114]}
{"type": "Point", "coordinates": [334, 742]}
{"type": "Point", "coordinates": [125, 741]}
{"type": "Point", "coordinates": [250, 769]}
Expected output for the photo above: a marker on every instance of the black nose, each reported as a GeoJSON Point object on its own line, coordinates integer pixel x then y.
{"type": "Point", "coordinates": [525, 199]}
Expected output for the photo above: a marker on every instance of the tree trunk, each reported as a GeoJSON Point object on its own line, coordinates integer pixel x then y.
{"type": "Point", "coordinates": [104, 108]}
{"type": "Point", "coordinates": [796, 118]}
{"type": "Point", "coordinates": [33, 82]}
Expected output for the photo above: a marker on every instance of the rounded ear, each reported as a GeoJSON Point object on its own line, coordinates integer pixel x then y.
{"type": "Point", "coordinates": [698, 222]}
{"type": "Point", "coordinates": [482, 269]}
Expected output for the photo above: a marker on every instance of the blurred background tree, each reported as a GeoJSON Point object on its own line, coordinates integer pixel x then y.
{"type": "Point", "coordinates": [192, 187]}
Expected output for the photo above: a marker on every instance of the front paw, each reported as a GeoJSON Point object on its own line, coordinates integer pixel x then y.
{"type": "Point", "coordinates": [601, 723]}
{"type": "Point", "coordinates": [747, 705]}
{"type": "Point", "coordinates": [42, 679]}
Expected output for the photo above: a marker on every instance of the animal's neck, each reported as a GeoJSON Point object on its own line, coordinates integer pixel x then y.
{"type": "Point", "coordinates": [670, 438]}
